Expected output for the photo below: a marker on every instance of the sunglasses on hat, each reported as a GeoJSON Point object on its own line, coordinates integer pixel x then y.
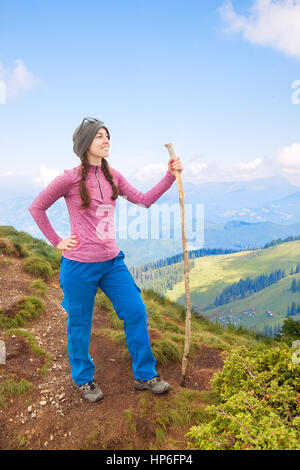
{"type": "Point", "coordinates": [88, 119]}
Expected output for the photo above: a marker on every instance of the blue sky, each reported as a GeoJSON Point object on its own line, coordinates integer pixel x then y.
{"type": "Point", "coordinates": [212, 77]}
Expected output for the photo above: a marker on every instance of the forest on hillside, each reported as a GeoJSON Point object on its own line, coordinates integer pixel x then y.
{"type": "Point", "coordinates": [245, 287]}
{"type": "Point", "coordinates": [163, 274]}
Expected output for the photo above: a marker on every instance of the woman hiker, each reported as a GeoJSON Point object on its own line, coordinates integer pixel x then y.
{"type": "Point", "coordinates": [91, 259]}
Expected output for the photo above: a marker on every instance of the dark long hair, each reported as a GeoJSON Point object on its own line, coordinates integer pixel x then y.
{"type": "Point", "coordinates": [83, 190]}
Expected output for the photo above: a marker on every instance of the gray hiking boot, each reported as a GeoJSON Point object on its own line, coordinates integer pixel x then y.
{"type": "Point", "coordinates": [156, 385]}
{"type": "Point", "coordinates": [90, 391]}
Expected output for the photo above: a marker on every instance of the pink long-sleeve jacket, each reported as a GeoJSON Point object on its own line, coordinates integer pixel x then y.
{"type": "Point", "coordinates": [93, 226]}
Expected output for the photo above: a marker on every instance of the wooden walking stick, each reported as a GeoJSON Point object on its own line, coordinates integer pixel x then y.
{"type": "Point", "coordinates": [186, 272]}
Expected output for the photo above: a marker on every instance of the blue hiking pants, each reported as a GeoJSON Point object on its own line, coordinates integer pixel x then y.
{"type": "Point", "coordinates": [80, 282]}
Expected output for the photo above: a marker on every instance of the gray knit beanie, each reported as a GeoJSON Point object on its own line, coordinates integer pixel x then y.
{"type": "Point", "coordinates": [84, 135]}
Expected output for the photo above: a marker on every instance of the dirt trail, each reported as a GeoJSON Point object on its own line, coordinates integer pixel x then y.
{"type": "Point", "coordinates": [53, 415]}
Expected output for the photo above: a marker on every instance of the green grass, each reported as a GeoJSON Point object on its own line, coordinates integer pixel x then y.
{"type": "Point", "coordinates": [116, 336]}
{"type": "Point", "coordinates": [21, 249]}
{"type": "Point", "coordinates": [181, 409]}
{"type": "Point", "coordinates": [11, 387]}
{"type": "Point", "coordinates": [29, 308]}
{"type": "Point", "coordinates": [39, 267]}
{"type": "Point", "coordinates": [165, 350]}
{"type": "Point", "coordinates": [13, 248]}
{"type": "Point", "coordinates": [129, 419]}
{"type": "Point", "coordinates": [170, 326]}
{"type": "Point", "coordinates": [154, 317]}
{"type": "Point", "coordinates": [102, 301]}
{"type": "Point", "coordinates": [115, 321]}
{"type": "Point", "coordinates": [21, 441]}
{"type": "Point", "coordinates": [39, 287]}
{"type": "Point", "coordinates": [25, 245]}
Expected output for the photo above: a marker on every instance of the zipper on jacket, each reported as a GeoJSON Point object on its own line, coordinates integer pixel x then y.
{"type": "Point", "coordinates": [98, 182]}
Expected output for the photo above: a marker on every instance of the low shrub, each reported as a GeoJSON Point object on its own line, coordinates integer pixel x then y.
{"type": "Point", "coordinates": [259, 391]}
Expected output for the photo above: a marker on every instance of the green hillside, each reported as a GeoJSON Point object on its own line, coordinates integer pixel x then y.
{"type": "Point", "coordinates": [212, 273]}
{"type": "Point", "coordinates": [267, 307]}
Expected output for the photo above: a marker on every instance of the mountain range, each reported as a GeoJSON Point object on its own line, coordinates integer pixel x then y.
{"type": "Point", "coordinates": [235, 215]}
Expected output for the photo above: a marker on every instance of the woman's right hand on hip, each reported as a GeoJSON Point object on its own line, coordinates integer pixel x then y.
{"type": "Point", "coordinates": [68, 243]}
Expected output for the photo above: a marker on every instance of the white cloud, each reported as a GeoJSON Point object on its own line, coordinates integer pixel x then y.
{"type": "Point", "coordinates": [286, 163]}
{"type": "Point", "coordinates": [46, 176]}
{"type": "Point", "coordinates": [253, 165]}
{"type": "Point", "coordinates": [198, 171]}
{"type": "Point", "coordinates": [288, 159]}
{"type": "Point", "coordinates": [195, 168]}
{"type": "Point", "coordinates": [151, 171]}
{"type": "Point", "coordinates": [18, 79]}
{"type": "Point", "coordinates": [274, 23]}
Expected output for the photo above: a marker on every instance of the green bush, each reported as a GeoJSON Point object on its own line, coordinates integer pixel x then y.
{"type": "Point", "coordinates": [290, 331]}
{"type": "Point", "coordinates": [259, 395]}
{"type": "Point", "coordinates": [244, 422]}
